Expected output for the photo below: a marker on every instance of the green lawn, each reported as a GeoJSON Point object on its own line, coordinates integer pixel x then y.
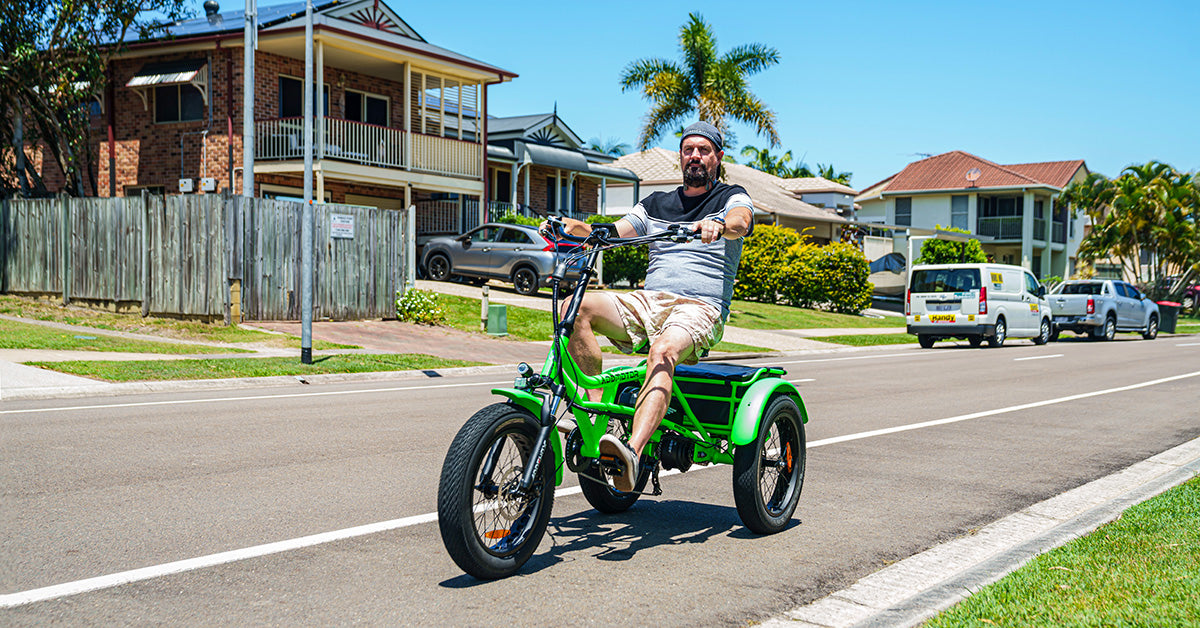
{"type": "Point", "coordinates": [869, 340]}
{"type": "Point", "coordinates": [1141, 570]}
{"type": "Point", "coordinates": [752, 315]}
{"type": "Point", "coordinates": [158, 370]}
{"type": "Point", "coordinates": [14, 335]}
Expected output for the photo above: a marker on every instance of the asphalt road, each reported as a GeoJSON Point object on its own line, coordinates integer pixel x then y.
{"type": "Point", "coordinates": [97, 487]}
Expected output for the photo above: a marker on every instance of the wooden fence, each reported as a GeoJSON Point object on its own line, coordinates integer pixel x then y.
{"type": "Point", "coordinates": [203, 255]}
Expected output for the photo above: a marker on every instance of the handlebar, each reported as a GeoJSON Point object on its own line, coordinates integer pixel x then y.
{"type": "Point", "coordinates": [604, 234]}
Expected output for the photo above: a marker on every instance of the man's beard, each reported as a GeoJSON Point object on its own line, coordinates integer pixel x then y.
{"type": "Point", "coordinates": [695, 175]}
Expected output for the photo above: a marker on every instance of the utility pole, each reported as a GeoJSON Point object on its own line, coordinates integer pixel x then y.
{"type": "Point", "coordinates": [306, 220]}
{"type": "Point", "coordinates": [250, 38]}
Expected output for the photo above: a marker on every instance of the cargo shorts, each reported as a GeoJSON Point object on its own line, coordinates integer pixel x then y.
{"type": "Point", "coordinates": [646, 313]}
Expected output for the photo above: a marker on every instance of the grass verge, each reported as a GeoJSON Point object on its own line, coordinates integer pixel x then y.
{"type": "Point", "coordinates": [14, 335]}
{"type": "Point", "coordinates": [1141, 570]}
{"type": "Point", "coordinates": [869, 340]}
{"type": "Point", "coordinates": [752, 315]}
{"type": "Point", "coordinates": [160, 370]}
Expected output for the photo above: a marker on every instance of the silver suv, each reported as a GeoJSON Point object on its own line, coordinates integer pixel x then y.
{"type": "Point", "coordinates": [515, 253]}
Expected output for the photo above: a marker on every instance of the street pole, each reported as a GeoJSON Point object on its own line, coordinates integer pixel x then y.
{"type": "Point", "coordinates": [250, 38]}
{"type": "Point", "coordinates": [306, 221]}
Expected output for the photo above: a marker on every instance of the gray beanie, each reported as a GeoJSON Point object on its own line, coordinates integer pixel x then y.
{"type": "Point", "coordinates": [705, 130]}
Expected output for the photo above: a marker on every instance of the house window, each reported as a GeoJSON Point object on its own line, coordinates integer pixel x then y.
{"type": "Point", "coordinates": [551, 196]}
{"type": "Point", "coordinates": [178, 103]}
{"type": "Point", "coordinates": [904, 211]}
{"type": "Point", "coordinates": [364, 107]}
{"type": "Point", "coordinates": [958, 212]}
{"type": "Point", "coordinates": [291, 97]}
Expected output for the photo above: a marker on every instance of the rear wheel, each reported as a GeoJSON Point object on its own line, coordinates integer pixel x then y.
{"type": "Point", "coordinates": [768, 473]}
{"type": "Point", "coordinates": [926, 341]}
{"type": "Point", "coordinates": [525, 280]}
{"type": "Point", "coordinates": [488, 525]}
{"type": "Point", "coordinates": [606, 499]}
{"type": "Point", "coordinates": [1151, 328]}
{"type": "Point", "coordinates": [1001, 333]}
{"type": "Point", "coordinates": [975, 340]}
{"type": "Point", "coordinates": [1108, 331]}
{"type": "Point", "coordinates": [438, 267]}
{"type": "Point", "coordinates": [1044, 333]}
{"type": "Point", "coordinates": [1187, 302]}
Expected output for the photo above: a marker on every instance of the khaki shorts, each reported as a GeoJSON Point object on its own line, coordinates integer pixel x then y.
{"type": "Point", "coordinates": [646, 313]}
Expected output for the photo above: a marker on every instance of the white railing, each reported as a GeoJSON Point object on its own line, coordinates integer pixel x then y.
{"type": "Point", "coordinates": [439, 217]}
{"type": "Point", "coordinates": [445, 156]}
{"type": "Point", "coordinates": [1004, 228]}
{"type": "Point", "coordinates": [368, 144]}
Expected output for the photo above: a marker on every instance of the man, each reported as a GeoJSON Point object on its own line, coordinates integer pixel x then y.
{"type": "Point", "coordinates": [681, 312]}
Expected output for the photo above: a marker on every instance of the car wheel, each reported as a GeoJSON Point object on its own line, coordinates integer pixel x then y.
{"type": "Point", "coordinates": [926, 341]}
{"type": "Point", "coordinates": [1043, 333]}
{"type": "Point", "coordinates": [975, 340]}
{"type": "Point", "coordinates": [1187, 302]}
{"type": "Point", "coordinates": [438, 267]}
{"type": "Point", "coordinates": [525, 280]}
{"type": "Point", "coordinates": [1151, 328]}
{"type": "Point", "coordinates": [1110, 328]}
{"type": "Point", "coordinates": [997, 339]}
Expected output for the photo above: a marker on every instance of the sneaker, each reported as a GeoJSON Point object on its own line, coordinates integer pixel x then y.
{"type": "Point", "coordinates": [613, 447]}
{"type": "Point", "coordinates": [566, 425]}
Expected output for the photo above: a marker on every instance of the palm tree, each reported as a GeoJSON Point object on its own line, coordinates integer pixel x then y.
{"type": "Point", "coordinates": [827, 172]}
{"type": "Point", "coordinates": [710, 86]}
{"type": "Point", "coordinates": [614, 146]}
{"type": "Point", "coordinates": [762, 159]}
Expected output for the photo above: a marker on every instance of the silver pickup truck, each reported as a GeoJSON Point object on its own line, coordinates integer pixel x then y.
{"type": "Point", "coordinates": [1101, 308]}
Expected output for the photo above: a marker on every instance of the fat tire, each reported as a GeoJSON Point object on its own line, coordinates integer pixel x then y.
{"type": "Point", "coordinates": [457, 492]}
{"type": "Point", "coordinates": [608, 500]}
{"type": "Point", "coordinates": [768, 514]}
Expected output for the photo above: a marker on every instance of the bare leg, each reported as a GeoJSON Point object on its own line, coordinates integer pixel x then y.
{"type": "Point", "coordinates": [597, 314]}
{"type": "Point", "coordinates": [669, 348]}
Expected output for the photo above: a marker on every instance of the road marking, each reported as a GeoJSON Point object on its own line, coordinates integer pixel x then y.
{"type": "Point", "coordinates": [800, 381]}
{"type": "Point", "coordinates": [1188, 344]}
{"type": "Point", "coordinates": [1038, 357]}
{"type": "Point", "coordinates": [254, 397]}
{"type": "Point", "coordinates": [857, 357]}
{"type": "Point", "coordinates": [22, 598]}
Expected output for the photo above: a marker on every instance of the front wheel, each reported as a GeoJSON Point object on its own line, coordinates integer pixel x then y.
{"type": "Point", "coordinates": [768, 473]}
{"type": "Point", "coordinates": [488, 525]}
{"type": "Point", "coordinates": [1044, 333]}
{"type": "Point", "coordinates": [438, 267]}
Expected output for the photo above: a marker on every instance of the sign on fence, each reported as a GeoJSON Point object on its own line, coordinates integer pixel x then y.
{"type": "Point", "coordinates": [341, 226]}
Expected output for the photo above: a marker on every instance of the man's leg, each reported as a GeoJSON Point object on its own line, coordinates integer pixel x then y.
{"type": "Point", "coordinates": [669, 348]}
{"type": "Point", "coordinates": [597, 314]}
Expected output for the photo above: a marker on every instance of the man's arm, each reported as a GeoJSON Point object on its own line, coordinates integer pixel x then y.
{"type": "Point", "coordinates": [582, 229]}
{"type": "Point", "coordinates": [735, 224]}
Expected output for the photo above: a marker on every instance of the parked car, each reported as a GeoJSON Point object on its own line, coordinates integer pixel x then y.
{"type": "Point", "coordinates": [1102, 307]}
{"type": "Point", "coordinates": [977, 302]}
{"type": "Point", "coordinates": [1188, 301]}
{"type": "Point", "coordinates": [514, 253]}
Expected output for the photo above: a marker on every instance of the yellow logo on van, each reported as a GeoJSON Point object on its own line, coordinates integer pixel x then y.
{"type": "Point", "coordinates": [1033, 307]}
{"type": "Point", "coordinates": [941, 318]}
{"type": "Point", "coordinates": [996, 278]}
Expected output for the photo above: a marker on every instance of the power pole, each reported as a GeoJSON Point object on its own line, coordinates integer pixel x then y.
{"type": "Point", "coordinates": [306, 220]}
{"type": "Point", "coordinates": [250, 38]}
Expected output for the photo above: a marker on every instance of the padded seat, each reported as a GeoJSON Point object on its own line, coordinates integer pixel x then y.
{"type": "Point", "coordinates": [717, 370]}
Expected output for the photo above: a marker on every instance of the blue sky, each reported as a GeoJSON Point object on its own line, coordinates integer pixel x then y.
{"type": "Point", "coordinates": [869, 86]}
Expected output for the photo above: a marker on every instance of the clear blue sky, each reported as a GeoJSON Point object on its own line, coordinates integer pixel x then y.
{"type": "Point", "coordinates": [869, 86]}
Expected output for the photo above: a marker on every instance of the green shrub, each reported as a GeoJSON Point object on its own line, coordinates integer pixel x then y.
{"type": "Point", "coordinates": [420, 307]}
{"type": "Point", "coordinates": [628, 263]}
{"type": "Point", "coordinates": [517, 219]}
{"type": "Point", "coordinates": [762, 271]}
{"type": "Point", "coordinates": [951, 252]}
{"type": "Point", "coordinates": [833, 276]}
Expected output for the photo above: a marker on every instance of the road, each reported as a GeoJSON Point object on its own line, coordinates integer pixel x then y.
{"type": "Point", "coordinates": [95, 488]}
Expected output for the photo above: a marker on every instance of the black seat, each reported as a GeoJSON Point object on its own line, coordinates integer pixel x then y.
{"type": "Point", "coordinates": [717, 370]}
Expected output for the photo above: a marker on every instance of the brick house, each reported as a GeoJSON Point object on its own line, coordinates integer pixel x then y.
{"type": "Point", "coordinates": [394, 126]}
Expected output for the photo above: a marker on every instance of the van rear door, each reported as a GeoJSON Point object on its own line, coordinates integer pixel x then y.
{"type": "Point", "coordinates": [945, 295]}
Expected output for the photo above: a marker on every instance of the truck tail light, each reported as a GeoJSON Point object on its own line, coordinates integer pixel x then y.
{"type": "Point", "coordinates": [907, 302]}
{"type": "Point", "coordinates": [1091, 305]}
{"type": "Point", "coordinates": [983, 300]}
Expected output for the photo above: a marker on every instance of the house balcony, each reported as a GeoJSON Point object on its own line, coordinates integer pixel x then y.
{"type": "Point", "coordinates": [1000, 227]}
{"type": "Point", "coordinates": [281, 139]}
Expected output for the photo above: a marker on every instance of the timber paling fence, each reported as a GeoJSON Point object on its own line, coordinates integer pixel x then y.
{"type": "Point", "coordinates": [205, 256]}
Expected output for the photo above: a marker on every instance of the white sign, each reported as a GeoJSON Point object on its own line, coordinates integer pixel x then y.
{"type": "Point", "coordinates": [341, 226]}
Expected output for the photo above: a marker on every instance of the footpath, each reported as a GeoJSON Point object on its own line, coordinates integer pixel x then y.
{"type": "Point", "coordinates": [903, 594]}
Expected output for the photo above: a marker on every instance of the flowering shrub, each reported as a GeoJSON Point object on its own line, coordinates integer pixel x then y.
{"type": "Point", "coordinates": [420, 307]}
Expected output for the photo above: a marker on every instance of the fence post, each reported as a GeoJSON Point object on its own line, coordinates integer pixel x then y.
{"type": "Point", "coordinates": [65, 236]}
{"type": "Point", "coordinates": [410, 244]}
{"type": "Point", "coordinates": [145, 253]}
{"type": "Point", "coordinates": [4, 246]}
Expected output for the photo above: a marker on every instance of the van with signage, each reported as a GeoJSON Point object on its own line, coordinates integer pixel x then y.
{"type": "Point", "coordinates": [976, 302]}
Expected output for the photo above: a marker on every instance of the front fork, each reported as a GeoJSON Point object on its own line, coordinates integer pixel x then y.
{"type": "Point", "coordinates": [541, 442]}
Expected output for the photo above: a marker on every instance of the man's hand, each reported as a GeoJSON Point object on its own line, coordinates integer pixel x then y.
{"type": "Point", "coordinates": [570, 225]}
{"type": "Point", "coordinates": [710, 230]}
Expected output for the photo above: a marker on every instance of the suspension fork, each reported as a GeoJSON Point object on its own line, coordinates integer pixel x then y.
{"type": "Point", "coordinates": [542, 442]}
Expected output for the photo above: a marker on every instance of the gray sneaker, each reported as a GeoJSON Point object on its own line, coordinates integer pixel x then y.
{"type": "Point", "coordinates": [613, 447]}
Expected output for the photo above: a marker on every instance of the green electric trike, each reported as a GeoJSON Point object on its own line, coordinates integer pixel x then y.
{"type": "Point", "coordinates": [497, 483]}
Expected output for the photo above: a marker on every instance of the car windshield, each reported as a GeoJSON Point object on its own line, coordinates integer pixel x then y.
{"type": "Point", "coordinates": [945, 280]}
{"type": "Point", "coordinates": [1081, 288]}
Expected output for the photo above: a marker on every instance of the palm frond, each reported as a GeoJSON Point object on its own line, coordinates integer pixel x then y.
{"type": "Point", "coordinates": [752, 58]}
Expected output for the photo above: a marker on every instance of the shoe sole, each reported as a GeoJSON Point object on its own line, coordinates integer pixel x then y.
{"type": "Point", "coordinates": [623, 482]}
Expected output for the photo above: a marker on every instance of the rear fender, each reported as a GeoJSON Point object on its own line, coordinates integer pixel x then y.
{"type": "Point", "coordinates": [533, 403]}
{"type": "Point", "coordinates": [754, 404]}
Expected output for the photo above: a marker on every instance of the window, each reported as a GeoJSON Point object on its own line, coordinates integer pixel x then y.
{"type": "Point", "coordinates": [958, 212]}
{"type": "Point", "coordinates": [364, 107]}
{"type": "Point", "coordinates": [1031, 284]}
{"type": "Point", "coordinates": [514, 236]}
{"type": "Point", "coordinates": [945, 280]}
{"type": "Point", "coordinates": [904, 211]}
{"type": "Point", "coordinates": [291, 97]}
{"type": "Point", "coordinates": [178, 103]}
{"type": "Point", "coordinates": [551, 197]}
{"type": "Point", "coordinates": [485, 234]}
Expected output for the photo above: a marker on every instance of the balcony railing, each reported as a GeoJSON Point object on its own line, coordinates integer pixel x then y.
{"type": "Point", "coordinates": [1059, 232]}
{"type": "Point", "coordinates": [1039, 229]}
{"type": "Point", "coordinates": [1002, 227]}
{"type": "Point", "coordinates": [359, 142]}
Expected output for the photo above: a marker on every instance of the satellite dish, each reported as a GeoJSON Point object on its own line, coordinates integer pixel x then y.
{"type": "Point", "coordinates": [973, 174]}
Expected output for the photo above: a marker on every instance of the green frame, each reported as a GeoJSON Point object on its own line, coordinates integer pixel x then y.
{"type": "Point", "coordinates": [714, 439]}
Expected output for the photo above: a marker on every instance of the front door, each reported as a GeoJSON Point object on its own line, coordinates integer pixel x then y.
{"type": "Point", "coordinates": [474, 250]}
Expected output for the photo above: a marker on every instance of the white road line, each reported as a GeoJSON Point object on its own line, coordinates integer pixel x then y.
{"type": "Point", "coordinates": [21, 598]}
{"type": "Point", "coordinates": [856, 357]}
{"type": "Point", "coordinates": [1188, 344]}
{"type": "Point", "coordinates": [253, 397]}
{"type": "Point", "coordinates": [800, 381]}
{"type": "Point", "coordinates": [1038, 357]}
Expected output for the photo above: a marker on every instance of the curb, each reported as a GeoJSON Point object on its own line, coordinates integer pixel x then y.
{"type": "Point", "coordinates": [921, 586]}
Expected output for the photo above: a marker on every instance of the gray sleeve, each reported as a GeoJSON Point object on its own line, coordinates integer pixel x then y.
{"type": "Point", "coordinates": [740, 200]}
{"type": "Point", "coordinates": [638, 219]}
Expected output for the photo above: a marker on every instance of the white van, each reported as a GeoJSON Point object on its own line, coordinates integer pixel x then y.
{"type": "Point", "coordinates": [976, 302]}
